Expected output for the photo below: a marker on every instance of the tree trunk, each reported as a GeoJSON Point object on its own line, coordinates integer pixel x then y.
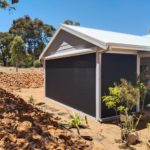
{"type": "Point", "coordinates": [4, 63]}
{"type": "Point", "coordinates": [4, 60]}
{"type": "Point", "coordinates": [16, 67]}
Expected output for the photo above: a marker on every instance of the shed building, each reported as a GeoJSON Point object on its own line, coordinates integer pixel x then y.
{"type": "Point", "coordinates": [81, 63]}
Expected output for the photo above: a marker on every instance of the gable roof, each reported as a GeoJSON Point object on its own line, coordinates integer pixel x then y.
{"type": "Point", "coordinates": [104, 39]}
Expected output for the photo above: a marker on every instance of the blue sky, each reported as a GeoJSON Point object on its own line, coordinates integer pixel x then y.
{"type": "Point", "coordinates": [128, 16]}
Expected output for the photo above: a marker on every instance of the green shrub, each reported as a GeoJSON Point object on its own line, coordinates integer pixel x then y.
{"type": "Point", "coordinates": [123, 98]}
{"type": "Point", "coordinates": [28, 61]}
{"type": "Point", "coordinates": [31, 99]}
{"type": "Point", "coordinates": [77, 122]}
{"type": "Point", "coordinates": [9, 62]}
{"type": "Point", "coordinates": [148, 125]}
{"type": "Point", "coordinates": [37, 63]}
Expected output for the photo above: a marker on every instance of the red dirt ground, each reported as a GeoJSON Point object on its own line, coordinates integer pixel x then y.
{"type": "Point", "coordinates": [103, 134]}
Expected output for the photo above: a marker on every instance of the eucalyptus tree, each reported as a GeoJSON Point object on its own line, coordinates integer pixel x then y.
{"type": "Point", "coordinates": [5, 43]}
{"type": "Point", "coordinates": [7, 3]}
{"type": "Point", "coordinates": [17, 51]}
{"type": "Point", "coordinates": [70, 22]}
{"type": "Point", "coordinates": [34, 32]}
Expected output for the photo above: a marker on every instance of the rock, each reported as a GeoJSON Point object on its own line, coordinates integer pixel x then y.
{"type": "Point", "coordinates": [37, 137]}
{"type": "Point", "coordinates": [20, 141]}
{"type": "Point", "coordinates": [123, 145]}
{"type": "Point", "coordinates": [1, 143]}
{"type": "Point", "coordinates": [132, 138]}
{"type": "Point", "coordinates": [86, 137]}
{"type": "Point", "coordinates": [24, 126]}
{"type": "Point", "coordinates": [6, 121]}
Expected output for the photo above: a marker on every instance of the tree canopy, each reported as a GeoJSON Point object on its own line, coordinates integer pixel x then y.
{"type": "Point", "coordinates": [34, 32]}
{"type": "Point", "coordinates": [7, 3]}
{"type": "Point", "coordinates": [5, 43]}
{"type": "Point", "coordinates": [17, 50]}
{"type": "Point", "coordinates": [70, 22]}
{"type": "Point", "coordinates": [35, 35]}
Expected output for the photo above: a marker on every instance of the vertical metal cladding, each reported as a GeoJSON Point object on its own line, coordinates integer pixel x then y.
{"type": "Point", "coordinates": [71, 81]}
{"type": "Point", "coordinates": [115, 67]}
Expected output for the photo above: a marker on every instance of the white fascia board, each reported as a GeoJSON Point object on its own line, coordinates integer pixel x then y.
{"type": "Point", "coordinates": [85, 37]}
{"type": "Point", "coordinates": [70, 53]}
{"type": "Point", "coordinates": [78, 34]}
{"type": "Point", "coordinates": [122, 51]}
{"type": "Point", "coordinates": [131, 47]}
{"type": "Point", "coordinates": [48, 45]}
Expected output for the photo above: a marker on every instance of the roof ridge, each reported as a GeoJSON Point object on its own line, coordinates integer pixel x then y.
{"type": "Point", "coordinates": [115, 32]}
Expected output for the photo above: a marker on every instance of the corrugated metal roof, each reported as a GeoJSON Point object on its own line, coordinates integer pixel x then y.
{"type": "Point", "coordinates": [111, 37]}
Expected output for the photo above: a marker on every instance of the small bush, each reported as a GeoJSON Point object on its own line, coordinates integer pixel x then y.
{"type": "Point", "coordinates": [77, 122]}
{"type": "Point", "coordinates": [9, 62]}
{"type": "Point", "coordinates": [31, 99]}
{"type": "Point", "coordinates": [148, 125]}
{"type": "Point", "coordinates": [37, 64]}
{"type": "Point", "coordinates": [28, 61]}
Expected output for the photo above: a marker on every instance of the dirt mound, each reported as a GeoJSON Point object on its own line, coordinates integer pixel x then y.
{"type": "Point", "coordinates": [23, 126]}
{"type": "Point", "coordinates": [13, 81]}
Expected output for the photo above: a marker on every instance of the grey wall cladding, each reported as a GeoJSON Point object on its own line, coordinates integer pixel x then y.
{"type": "Point", "coordinates": [67, 42]}
{"type": "Point", "coordinates": [71, 81]}
{"type": "Point", "coordinates": [115, 67]}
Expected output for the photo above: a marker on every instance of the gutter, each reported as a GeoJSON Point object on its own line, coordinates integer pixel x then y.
{"type": "Point", "coordinates": [130, 47]}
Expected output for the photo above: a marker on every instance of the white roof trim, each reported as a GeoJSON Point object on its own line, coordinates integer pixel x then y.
{"type": "Point", "coordinates": [147, 36]}
{"type": "Point", "coordinates": [131, 47]}
{"type": "Point", "coordinates": [85, 37]}
{"type": "Point", "coordinates": [70, 53]}
{"type": "Point", "coordinates": [104, 39]}
{"type": "Point", "coordinates": [48, 45]}
{"type": "Point", "coordinates": [78, 34]}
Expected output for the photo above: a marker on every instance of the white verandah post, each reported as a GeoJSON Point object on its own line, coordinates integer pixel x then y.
{"type": "Point", "coordinates": [98, 85]}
